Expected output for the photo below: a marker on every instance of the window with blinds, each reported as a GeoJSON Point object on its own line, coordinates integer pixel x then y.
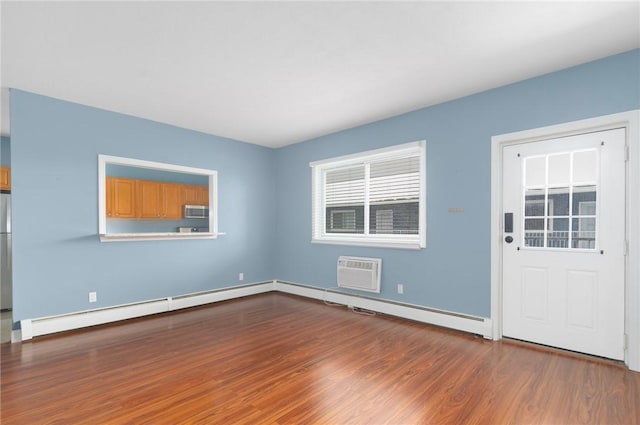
{"type": "Point", "coordinates": [376, 198]}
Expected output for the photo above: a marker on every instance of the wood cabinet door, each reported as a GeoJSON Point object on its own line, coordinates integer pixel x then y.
{"type": "Point", "coordinates": [5, 178]}
{"type": "Point", "coordinates": [129, 198]}
{"type": "Point", "coordinates": [203, 195]}
{"type": "Point", "coordinates": [121, 198]}
{"type": "Point", "coordinates": [195, 195]}
{"type": "Point", "coordinates": [171, 199]}
{"type": "Point", "coordinates": [109, 196]}
{"type": "Point", "coordinates": [149, 199]}
{"type": "Point", "coordinates": [189, 194]}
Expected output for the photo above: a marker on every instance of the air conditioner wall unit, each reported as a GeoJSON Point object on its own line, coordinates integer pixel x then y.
{"type": "Point", "coordinates": [359, 273]}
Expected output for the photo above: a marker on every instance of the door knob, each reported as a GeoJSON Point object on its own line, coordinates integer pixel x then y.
{"type": "Point", "coordinates": [508, 239]}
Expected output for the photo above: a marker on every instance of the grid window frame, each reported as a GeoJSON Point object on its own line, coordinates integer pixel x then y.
{"type": "Point", "coordinates": [410, 192]}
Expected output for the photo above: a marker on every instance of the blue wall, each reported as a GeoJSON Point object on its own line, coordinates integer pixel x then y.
{"type": "Point", "coordinates": [5, 152]}
{"type": "Point", "coordinates": [265, 196]}
{"type": "Point", "coordinates": [139, 173]}
{"type": "Point", "coordinates": [58, 258]}
{"type": "Point", "coordinates": [453, 272]}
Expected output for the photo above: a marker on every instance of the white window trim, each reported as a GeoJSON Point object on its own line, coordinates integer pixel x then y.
{"type": "Point", "coordinates": [318, 218]}
{"type": "Point", "coordinates": [212, 175]}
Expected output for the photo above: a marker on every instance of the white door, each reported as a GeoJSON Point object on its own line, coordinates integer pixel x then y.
{"type": "Point", "coordinates": [564, 242]}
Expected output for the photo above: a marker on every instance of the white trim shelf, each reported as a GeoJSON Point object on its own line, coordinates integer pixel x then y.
{"type": "Point", "coordinates": [123, 237]}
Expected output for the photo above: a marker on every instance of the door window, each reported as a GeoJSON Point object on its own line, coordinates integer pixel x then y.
{"type": "Point", "coordinates": [560, 200]}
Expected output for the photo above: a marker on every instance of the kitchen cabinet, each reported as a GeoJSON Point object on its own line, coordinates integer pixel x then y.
{"type": "Point", "coordinates": [121, 197]}
{"type": "Point", "coordinates": [5, 178]}
{"type": "Point", "coordinates": [146, 199]}
{"type": "Point", "coordinates": [195, 195]}
{"type": "Point", "coordinates": [171, 197]}
{"type": "Point", "coordinates": [149, 196]}
{"type": "Point", "coordinates": [203, 195]}
{"type": "Point", "coordinates": [157, 200]}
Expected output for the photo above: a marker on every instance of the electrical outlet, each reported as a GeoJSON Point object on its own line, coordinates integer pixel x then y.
{"type": "Point", "coordinates": [400, 288]}
{"type": "Point", "coordinates": [93, 297]}
{"type": "Point", "coordinates": [240, 276]}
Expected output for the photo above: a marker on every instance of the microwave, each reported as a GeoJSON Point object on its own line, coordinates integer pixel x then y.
{"type": "Point", "coordinates": [196, 211]}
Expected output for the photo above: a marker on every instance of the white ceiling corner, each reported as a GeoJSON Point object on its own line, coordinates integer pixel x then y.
{"type": "Point", "coordinates": [277, 73]}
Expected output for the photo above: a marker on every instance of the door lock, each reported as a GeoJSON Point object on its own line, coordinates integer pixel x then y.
{"type": "Point", "coordinates": [508, 222]}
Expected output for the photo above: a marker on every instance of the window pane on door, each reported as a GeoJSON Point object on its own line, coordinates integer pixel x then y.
{"type": "Point", "coordinates": [559, 168]}
{"type": "Point", "coordinates": [583, 233]}
{"type": "Point", "coordinates": [584, 200]}
{"type": "Point", "coordinates": [557, 232]}
{"type": "Point", "coordinates": [559, 200]}
{"type": "Point", "coordinates": [534, 203]}
{"type": "Point", "coordinates": [535, 171]}
{"type": "Point", "coordinates": [569, 189]}
{"type": "Point", "coordinates": [534, 232]}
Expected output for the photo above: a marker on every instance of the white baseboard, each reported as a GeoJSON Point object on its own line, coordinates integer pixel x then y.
{"type": "Point", "coordinates": [83, 319]}
{"type": "Point", "coordinates": [30, 328]}
{"type": "Point", "coordinates": [476, 325]}
{"type": "Point", "coordinates": [201, 298]}
{"type": "Point", "coordinates": [16, 335]}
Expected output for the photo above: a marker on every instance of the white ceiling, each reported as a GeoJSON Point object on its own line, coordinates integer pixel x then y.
{"type": "Point", "coordinates": [277, 73]}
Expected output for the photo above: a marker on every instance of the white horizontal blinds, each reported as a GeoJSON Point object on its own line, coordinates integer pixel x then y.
{"type": "Point", "coordinates": [394, 195]}
{"type": "Point", "coordinates": [374, 198]}
{"type": "Point", "coordinates": [386, 191]}
{"type": "Point", "coordinates": [396, 180]}
{"type": "Point", "coordinates": [344, 186]}
{"type": "Point", "coordinates": [344, 199]}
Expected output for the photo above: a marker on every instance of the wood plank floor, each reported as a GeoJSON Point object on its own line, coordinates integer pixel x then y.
{"type": "Point", "coordinates": [279, 359]}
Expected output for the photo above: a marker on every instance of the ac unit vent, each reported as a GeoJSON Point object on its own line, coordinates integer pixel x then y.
{"type": "Point", "coordinates": [359, 273]}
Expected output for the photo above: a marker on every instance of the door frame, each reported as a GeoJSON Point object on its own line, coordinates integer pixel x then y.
{"type": "Point", "coordinates": [631, 122]}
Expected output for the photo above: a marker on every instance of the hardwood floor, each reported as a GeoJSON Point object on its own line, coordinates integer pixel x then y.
{"type": "Point", "coordinates": [279, 359]}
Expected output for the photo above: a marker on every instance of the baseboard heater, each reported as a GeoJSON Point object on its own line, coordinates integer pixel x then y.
{"type": "Point", "coordinates": [47, 325]}
{"type": "Point", "coordinates": [30, 328]}
{"type": "Point", "coordinates": [448, 319]}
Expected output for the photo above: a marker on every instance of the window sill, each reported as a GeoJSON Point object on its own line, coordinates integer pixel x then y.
{"type": "Point", "coordinates": [123, 237]}
{"type": "Point", "coordinates": [372, 243]}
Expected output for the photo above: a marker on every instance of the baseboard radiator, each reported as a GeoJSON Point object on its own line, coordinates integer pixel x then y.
{"type": "Point", "coordinates": [30, 328]}
{"type": "Point", "coordinates": [359, 273]}
{"type": "Point", "coordinates": [462, 322]}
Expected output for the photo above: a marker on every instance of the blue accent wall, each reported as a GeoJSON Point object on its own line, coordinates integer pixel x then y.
{"type": "Point", "coordinates": [139, 173]}
{"type": "Point", "coordinates": [265, 197]}
{"type": "Point", "coordinates": [453, 272]}
{"type": "Point", "coordinates": [5, 152]}
{"type": "Point", "coordinates": [58, 257]}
